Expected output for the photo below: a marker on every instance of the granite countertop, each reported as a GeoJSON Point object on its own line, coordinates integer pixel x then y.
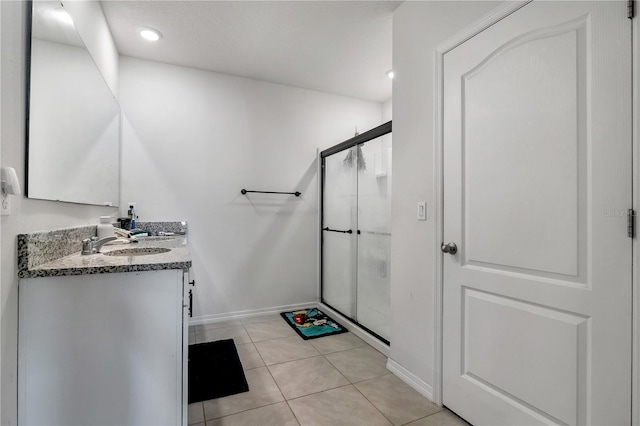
{"type": "Point", "coordinates": [78, 264]}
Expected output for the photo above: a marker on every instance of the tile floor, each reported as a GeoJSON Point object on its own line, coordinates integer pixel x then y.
{"type": "Point", "coordinates": [334, 381]}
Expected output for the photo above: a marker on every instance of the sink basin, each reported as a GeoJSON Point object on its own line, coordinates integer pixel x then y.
{"type": "Point", "coordinates": [142, 251]}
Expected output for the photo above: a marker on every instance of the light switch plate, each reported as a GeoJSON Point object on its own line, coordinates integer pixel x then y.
{"type": "Point", "coordinates": [422, 210]}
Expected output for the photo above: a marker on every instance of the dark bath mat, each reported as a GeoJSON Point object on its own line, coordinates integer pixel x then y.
{"type": "Point", "coordinates": [215, 371]}
{"type": "Point", "coordinates": [312, 323]}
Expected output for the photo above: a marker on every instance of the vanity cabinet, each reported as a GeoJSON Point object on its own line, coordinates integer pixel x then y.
{"type": "Point", "coordinates": [103, 349]}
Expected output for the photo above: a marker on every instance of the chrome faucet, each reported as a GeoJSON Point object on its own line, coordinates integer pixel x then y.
{"type": "Point", "coordinates": [93, 245]}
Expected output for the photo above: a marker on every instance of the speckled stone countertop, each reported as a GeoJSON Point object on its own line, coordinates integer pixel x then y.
{"type": "Point", "coordinates": [100, 263]}
{"type": "Point", "coordinates": [77, 264]}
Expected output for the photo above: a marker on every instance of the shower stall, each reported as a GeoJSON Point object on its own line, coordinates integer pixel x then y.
{"type": "Point", "coordinates": [356, 229]}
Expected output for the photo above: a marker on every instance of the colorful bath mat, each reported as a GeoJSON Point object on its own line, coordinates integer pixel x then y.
{"type": "Point", "coordinates": [215, 371]}
{"type": "Point", "coordinates": [312, 323]}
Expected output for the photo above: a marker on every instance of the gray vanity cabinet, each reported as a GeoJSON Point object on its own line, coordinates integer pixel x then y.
{"type": "Point", "coordinates": [103, 349]}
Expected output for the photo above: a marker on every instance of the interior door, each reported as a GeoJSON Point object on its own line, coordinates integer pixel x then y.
{"type": "Point", "coordinates": [537, 183]}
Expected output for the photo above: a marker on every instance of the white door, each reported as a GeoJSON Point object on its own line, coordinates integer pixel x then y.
{"type": "Point", "coordinates": [537, 183]}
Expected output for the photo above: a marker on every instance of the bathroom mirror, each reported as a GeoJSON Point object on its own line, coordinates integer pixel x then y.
{"type": "Point", "coordinates": [73, 149]}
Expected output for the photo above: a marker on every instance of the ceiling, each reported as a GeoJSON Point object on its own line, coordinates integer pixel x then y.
{"type": "Point", "coordinates": [341, 47]}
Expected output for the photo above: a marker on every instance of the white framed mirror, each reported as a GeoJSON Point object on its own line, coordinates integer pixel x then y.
{"type": "Point", "coordinates": [73, 149]}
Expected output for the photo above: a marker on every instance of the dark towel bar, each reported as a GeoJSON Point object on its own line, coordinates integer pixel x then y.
{"type": "Point", "coordinates": [297, 194]}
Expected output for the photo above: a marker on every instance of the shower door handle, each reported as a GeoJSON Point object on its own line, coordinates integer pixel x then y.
{"type": "Point", "coordinates": [348, 231]}
{"type": "Point", "coordinates": [450, 248]}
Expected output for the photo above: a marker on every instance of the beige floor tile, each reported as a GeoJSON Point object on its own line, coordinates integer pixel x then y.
{"type": "Point", "coordinates": [272, 415]}
{"type": "Point", "coordinates": [214, 325]}
{"type": "Point", "coordinates": [237, 333]}
{"type": "Point", "coordinates": [283, 350]}
{"type": "Point", "coordinates": [442, 418]}
{"type": "Point", "coordinates": [262, 391]}
{"type": "Point", "coordinates": [306, 376]}
{"type": "Point", "coordinates": [337, 343]}
{"type": "Point", "coordinates": [342, 406]}
{"type": "Point", "coordinates": [249, 356]}
{"type": "Point", "coordinates": [259, 319]}
{"type": "Point", "coordinates": [195, 413]}
{"type": "Point", "coordinates": [396, 400]}
{"type": "Point", "coordinates": [359, 364]}
{"type": "Point", "coordinates": [269, 330]}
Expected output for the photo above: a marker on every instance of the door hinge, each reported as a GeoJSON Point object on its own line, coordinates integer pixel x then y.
{"type": "Point", "coordinates": [631, 223]}
{"type": "Point", "coordinates": [630, 7]}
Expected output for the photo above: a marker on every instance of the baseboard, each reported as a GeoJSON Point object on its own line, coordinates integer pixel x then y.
{"type": "Point", "coordinates": [208, 319]}
{"type": "Point", "coordinates": [422, 387]}
{"type": "Point", "coordinates": [364, 335]}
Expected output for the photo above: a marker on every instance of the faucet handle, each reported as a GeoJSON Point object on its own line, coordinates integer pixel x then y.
{"type": "Point", "coordinates": [87, 246]}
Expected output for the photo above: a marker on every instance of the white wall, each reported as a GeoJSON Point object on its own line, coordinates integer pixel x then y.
{"type": "Point", "coordinates": [74, 150]}
{"type": "Point", "coordinates": [387, 110]}
{"type": "Point", "coordinates": [92, 26]}
{"type": "Point", "coordinates": [27, 215]}
{"type": "Point", "coordinates": [418, 28]}
{"type": "Point", "coordinates": [193, 139]}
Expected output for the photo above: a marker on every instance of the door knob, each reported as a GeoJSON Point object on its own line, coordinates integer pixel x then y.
{"type": "Point", "coordinates": [450, 248]}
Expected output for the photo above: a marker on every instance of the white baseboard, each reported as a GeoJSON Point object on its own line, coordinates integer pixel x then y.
{"type": "Point", "coordinates": [364, 335]}
{"type": "Point", "coordinates": [422, 387]}
{"type": "Point", "coordinates": [208, 319]}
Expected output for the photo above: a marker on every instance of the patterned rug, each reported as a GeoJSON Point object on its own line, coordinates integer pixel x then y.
{"type": "Point", "coordinates": [312, 323]}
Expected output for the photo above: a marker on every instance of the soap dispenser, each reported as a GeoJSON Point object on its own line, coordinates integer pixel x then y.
{"type": "Point", "coordinates": [105, 228]}
{"type": "Point", "coordinates": [132, 215]}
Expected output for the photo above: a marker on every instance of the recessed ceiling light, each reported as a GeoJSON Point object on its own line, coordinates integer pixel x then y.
{"type": "Point", "coordinates": [150, 34]}
{"type": "Point", "coordinates": [390, 74]}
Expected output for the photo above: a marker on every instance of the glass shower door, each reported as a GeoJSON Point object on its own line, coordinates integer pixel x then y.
{"type": "Point", "coordinates": [356, 229]}
{"type": "Point", "coordinates": [374, 237]}
{"type": "Point", "coordinates": [339, 237]}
